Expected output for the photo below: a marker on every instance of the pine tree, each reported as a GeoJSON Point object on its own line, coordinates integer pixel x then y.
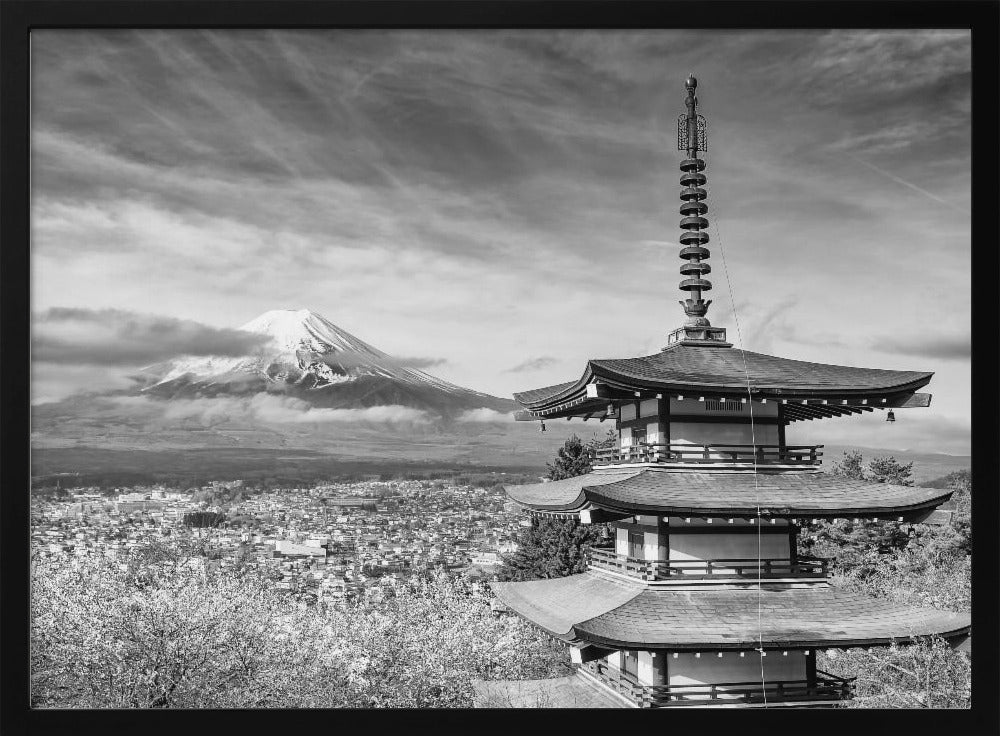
{"type": "Point", "coordinates": [889, 470]}
{"type": "Point", "coordinates": [572, 459]}
{"type": "Point", "coordinates": [851, 466]}
{"type": "Point", "coordinates": [854, 545]}
{"type": "Point", "coordinates": [551, 548]}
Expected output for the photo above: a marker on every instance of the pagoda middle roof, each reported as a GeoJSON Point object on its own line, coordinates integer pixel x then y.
{"type": "Point", "coordinates": [698, 368]}
{"type": "Point", "coordinates": [592, 608]}
{"type": "Point", "coordinates": [645, 490]}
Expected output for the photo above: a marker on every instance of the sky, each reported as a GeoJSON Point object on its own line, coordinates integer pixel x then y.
{"type": "Point", "coordinates": [503, 204]}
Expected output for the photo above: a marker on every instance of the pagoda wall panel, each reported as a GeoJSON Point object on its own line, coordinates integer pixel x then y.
{"type": "Point", "coordinates": [649, 408]}
{"type": "Point", "coordinates": [621, 541]}
{"type": "Point", "coordinates": [654, 546]}
{"type": "Point", "coordinates": [652, 668]}
{"type": "Point", "coordinates": [727, 546]}
{"type": "Point", "coordinates": [723, 434]}
{"type": "Point", "coordinates": [687, 669]}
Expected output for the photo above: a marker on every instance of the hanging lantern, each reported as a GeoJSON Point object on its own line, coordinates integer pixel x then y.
{"type": "Point", "coordinates": [890, 417]}
{"type": "Point", "coordinates": [612, 411]}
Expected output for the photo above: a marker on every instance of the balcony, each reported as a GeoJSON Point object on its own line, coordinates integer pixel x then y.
{"type": "Point", "coordinates": [748, 455]}
{"type": "Point", "coordinates": [827, 689]}
{"type": "Point", "coordinates": [605, 558]}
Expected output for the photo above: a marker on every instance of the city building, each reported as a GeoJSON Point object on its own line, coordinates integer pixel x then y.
{"type": "Point", "coordinates": [702, 599]}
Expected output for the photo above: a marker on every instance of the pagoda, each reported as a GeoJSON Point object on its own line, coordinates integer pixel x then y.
{"type": "Point", "coordinates": [702, 599]}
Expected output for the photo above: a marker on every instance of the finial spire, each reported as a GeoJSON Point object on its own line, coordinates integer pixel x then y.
{"type": "Point", "coordinates": [693, 139]}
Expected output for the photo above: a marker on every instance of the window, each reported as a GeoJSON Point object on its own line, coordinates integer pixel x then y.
{"type": "Point", "coordinates": [714, 405]}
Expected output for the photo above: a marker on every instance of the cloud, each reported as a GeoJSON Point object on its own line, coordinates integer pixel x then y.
{"type": "Point", "coordinates": [51, 382]}
{"type": "Point", "coordinates": [915, 430]}
{"type": "Point", "coordinates": [351, 358]}
{"type": "Point", "coordinates": [533, 364]}
{"type": "Point", "coordinates": [112, 337]}
{"type": "Point", "coordinates": [420, 363]}
{"type": "Point", "coordinates": [269, 409]}
{"type": "Point", "coordinates": [498, 195]}
{"type": "Point", "coordinates": [937, 347]}
{"type": "Point", "coordinates": [486, 416]}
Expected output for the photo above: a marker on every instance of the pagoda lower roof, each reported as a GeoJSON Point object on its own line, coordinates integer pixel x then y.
{"type": "Point", "coordinates": [662, 491]}
{"type": "Point", "coordinates": [694, 368]}
{"type": "Point", "coordinates": [593, 609]}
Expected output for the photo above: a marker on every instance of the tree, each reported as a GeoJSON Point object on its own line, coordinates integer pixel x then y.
{"type": "Point", "coordinates": [572, 459]}
{"type": "Point", "coordinates": [889, 470]}
{"type": "Point", "coordinates": [575, 456]}
{"type": "Point", "coordinates": [931, 568]}
{"type": "Point", "coordinates": [850, 466]}
{"type": "Point", "coordinates": [926, 674]}
{"type": "Point", "coordinates": [852, 543]}
{"type": "Point", "coordinates": [173, 637]}
{"type": "Point", "coordinates": [181, 638]}
{"type": "Point", "coordinates": [203, 519]}
{"type": "Point", "coordinates": [551, 548]}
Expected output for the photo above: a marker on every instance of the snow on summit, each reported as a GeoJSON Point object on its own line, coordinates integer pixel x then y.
{"type": "Point", "coordinates": [305, 351]}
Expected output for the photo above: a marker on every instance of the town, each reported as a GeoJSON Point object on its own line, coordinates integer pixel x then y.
{"type": "Point", "coordinates": [325, 545]}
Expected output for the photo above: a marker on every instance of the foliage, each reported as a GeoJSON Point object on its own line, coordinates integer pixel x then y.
{"type": "Point", "coordinates": [851, 543]}
{"type": "Point", "coordinates": [421, 643]}
{"type": "Point", "coordinates": [574, 457]}
{"type": "Point", "coordinates": [932, 569]}
{"type": "Point", "coordinates": [173, 637]}
{"type": "Point", "coordinates": [160, 629]}
{"type": "Point", "coordinates": [571, 459]}
{"type": "Point", "coordinates": [203, 519]}
{"type": "Point", "coordinates": [928, 674]}
{"type": "Point", "coordinates": [551, 548]}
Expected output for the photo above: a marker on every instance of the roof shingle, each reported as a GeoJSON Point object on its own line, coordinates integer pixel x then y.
{"type": "Point", "coordinates": [602, 611]}
{"type": "Point", "coordinates": [706, 368]}
{"type": "Point", "coordinates": [667, 491]}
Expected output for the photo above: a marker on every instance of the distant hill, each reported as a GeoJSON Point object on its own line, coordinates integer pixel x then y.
{"type": "Point", "coordinates": [927, 466]}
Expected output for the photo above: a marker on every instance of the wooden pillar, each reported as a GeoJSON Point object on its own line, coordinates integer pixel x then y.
{"type": "Point", "coordinates": [781, 426]}
{"type": "Point", "coordinates": [811, 667]}
{"type": "Point", "coordinates": [663, 418]}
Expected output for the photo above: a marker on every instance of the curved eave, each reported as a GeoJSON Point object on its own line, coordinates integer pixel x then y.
{"type": "Point", "coordinates": [556, 604]}
{"type": "Point", "coordinates": [598, 610]}
{"type": "Point", "coordinates": [689, 493]}
{"type": "Point", "coordinates": [567, 495]}
{"type": "Point", "coordinates": [556, 400]}
{"type": "Point", "coordinates": [820, 616]}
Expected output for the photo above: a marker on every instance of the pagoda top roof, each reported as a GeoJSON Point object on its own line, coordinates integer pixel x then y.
{"type": "Point", "coordinates": [701, 368]}
{"type": "Point", "coordinates": [629, 491]}
{"type": "Point", "coordinates": [622, 615]}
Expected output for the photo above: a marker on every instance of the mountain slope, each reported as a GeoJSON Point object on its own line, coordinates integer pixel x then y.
{"type": "Point", "coordinates": [306, 356]}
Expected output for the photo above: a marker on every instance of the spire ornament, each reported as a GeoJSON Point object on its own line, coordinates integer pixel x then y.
{"type": "Point", "coordinates": [692, 137]}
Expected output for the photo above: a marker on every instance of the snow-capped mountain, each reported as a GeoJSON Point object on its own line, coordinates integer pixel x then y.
{"type": "Point", "coordinates": [305, 355]}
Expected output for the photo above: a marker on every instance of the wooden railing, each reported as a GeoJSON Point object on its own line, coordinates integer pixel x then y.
{"type": "Point", "coordinates": [825, 687]}
{"type": "Point", "coordinates": [605, 558]}
{"type": "Point", "coordinates": [656, 452]}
